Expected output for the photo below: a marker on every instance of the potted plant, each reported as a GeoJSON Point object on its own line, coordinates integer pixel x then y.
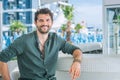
{"type": "Point", "coordinates": [17, 26]}
{"type": "Point", "coordinates": [17, 29]}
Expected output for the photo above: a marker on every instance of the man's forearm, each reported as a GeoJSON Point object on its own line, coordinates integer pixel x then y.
{"type": "Point", "coordinates": [75, 67]}
{"type": "Point", "coordinates": [4, 71]}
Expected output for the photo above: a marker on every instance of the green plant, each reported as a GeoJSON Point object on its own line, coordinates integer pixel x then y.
{"type": "Point", "coordinates": [63, 28]}
{"type": "Point", "coordinates": [17, 26]}
{"type": "Point", "coordinates": [78, 27]}
{"type": "Point", "coordinates": [68, 12]}
{"type": "Point", "coordinates": [118, 18]}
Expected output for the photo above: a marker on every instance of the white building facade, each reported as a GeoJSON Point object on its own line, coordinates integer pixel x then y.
{"type": "Point", "coordinates": [111, 26]}
{"type": "Point", "coordinates": [22, 10]}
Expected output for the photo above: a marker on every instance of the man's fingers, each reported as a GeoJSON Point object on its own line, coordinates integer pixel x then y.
{"type": "Point", "coordinates": [75, 75]}
{"type": "Point", "coordinates": [75, 71]}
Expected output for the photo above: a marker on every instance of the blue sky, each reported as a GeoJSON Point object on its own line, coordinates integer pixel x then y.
{"type": "Point", "coordinates": [89, 11]}
{"type": "Point", "coordinates": [90, 2]}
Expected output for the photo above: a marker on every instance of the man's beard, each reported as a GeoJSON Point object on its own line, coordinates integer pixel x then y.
{"type": "Point", "coordinates": [43, 32]}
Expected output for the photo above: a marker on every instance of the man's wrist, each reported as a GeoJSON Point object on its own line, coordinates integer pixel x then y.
{"type": "Point", "coordinates": [77, 60]}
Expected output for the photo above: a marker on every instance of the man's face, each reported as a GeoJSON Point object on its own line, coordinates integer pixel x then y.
{"type": "Point", "coordinates": [43, 23]}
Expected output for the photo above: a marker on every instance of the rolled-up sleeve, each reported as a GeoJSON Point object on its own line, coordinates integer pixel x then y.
{"type": "Point", "coordinates": [67, 47]}
{"type": "Point", "coordinates": [14, 49]}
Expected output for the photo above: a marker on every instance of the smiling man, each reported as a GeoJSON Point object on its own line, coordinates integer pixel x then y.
{"type": "Point", "coordinates": [37, 52]}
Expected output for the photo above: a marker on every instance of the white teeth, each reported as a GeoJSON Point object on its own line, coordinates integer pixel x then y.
{"type": "Point", "coordinates": [45, 26]}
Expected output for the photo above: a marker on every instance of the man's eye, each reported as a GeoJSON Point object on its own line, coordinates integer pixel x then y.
{"type": "Point", "coordinates": [40, 20]}
{"type": "Point", "coordinates": [48, 20]}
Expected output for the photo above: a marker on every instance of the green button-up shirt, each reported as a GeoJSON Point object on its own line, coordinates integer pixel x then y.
{"type": "Point", "coordinates": [30, 62]}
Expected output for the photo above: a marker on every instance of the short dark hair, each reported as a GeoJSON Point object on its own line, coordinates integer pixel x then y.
{"type": "Point", "coordinates": [43, 11]}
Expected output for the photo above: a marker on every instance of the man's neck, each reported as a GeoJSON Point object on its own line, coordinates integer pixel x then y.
{"type": "Point", "coordinates": [42, 37]}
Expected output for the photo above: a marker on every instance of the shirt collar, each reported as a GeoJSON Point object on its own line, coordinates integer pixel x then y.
{"type": "Point", "coordinates": [36, 37]}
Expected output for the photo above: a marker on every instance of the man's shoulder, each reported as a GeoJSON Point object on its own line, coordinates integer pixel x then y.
{"type": "Point", "coordinates": [53, 34]}
{"type": "Point", "coordinates": [27, 36]}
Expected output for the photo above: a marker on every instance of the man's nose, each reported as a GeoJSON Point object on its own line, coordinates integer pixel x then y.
{"type": "Point", "coordinates": [45, 22]}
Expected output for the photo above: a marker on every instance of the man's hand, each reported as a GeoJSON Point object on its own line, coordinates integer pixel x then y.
{"type": "Point", "coordinates": [4, 71]}
{"type": "Point", "coordinates": [75, 70]}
